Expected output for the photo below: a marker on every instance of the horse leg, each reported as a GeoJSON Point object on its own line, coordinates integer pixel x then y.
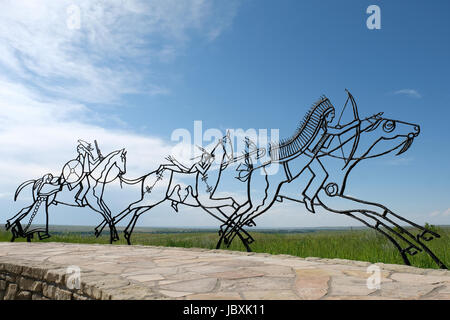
{"type": "Point", "coordinates": [229, 224]}
{"type": "Point", "coordinates": [212, 203]}
{"type": "Point", "coordinates": [100, 207]}
{"type": "Point", "coordinates": [236, 228]}
{"type": "Point", "coordinates": [208, 202]}
{"type": "Point", "coordinates": [363, 211]}
{"type": "Point", "coordinates": [361, 214]}
{"type": "Point", "coordinates": [226, 221]}
{"type": "Point", "coordinates": [103, 214]}
{"type": "Point", "coordinates": [21, 214]}
{"type": "Point", "coordinates": [99, 229]}
{"type": "Point", "coordinates": [14, 234]}
{"type": "Point", "coordinates": [130, 227]}
{"type": "Point", "coordinates": [113, 236]}
{"type": "Point", "coordinates": [116, 219]}
{"type": "Point", "coordinates": [246, 239]}
{"type": "Point", "coordinates": [17, 231]}
{"type": "Point", "coordinates": [389, 216]}
{"type": "Point", "coordinates": [378, 229]}
{"type": "Point", "coordinates": [260, 201]}
{"type": "Point", "coordinates": [242, 209]}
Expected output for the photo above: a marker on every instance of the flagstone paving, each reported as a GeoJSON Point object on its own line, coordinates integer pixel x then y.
{"type": "Point", "coordinates": [39, 271]}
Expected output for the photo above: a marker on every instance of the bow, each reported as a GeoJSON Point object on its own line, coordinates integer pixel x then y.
{"type": "Point", "coordinates": [358, 128]}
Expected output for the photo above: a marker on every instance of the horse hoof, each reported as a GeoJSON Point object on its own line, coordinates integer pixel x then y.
{"type": "Point", "coordinates": [251, 223]}
{"type": "Point", "coordinates": [427, 238]}
{"type": "Point", "coordinates": [411, 250]}
{"type": "Point", "coordinates": [424, 236]}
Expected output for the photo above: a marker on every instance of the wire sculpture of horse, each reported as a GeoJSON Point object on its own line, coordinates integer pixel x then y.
{"type": "Point", "coordinates": [48, 190]}
{"type": "Point", "coordinates": [305, 162]}
{"type": "Point", "coordinates": [385, 134]}
{"type": "Point", "coordinates": [158, 186]}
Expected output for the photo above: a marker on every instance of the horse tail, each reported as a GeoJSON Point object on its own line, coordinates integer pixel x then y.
{"type": "Point", "coordinates": [23, 185]}
{"type": "Point", "coordinates": [131, 181]}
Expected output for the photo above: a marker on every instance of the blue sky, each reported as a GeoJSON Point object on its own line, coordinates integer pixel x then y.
{"type": "Point", "coordinates": [133, 73]}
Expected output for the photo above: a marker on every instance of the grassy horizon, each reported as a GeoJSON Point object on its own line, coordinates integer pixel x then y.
{"type": "Point", "coordinates": [355, 244]}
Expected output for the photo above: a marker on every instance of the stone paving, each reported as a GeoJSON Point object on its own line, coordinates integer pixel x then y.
{"type": "Point", "coordinates": [147, 272]}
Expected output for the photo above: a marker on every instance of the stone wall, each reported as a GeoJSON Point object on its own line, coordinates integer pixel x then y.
{"type": "Point", "coordinates": [21, 282]}
{"type": "Point", "coordinates": [45, 270]}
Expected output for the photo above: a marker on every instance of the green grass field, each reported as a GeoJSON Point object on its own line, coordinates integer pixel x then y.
{"type": "Point", "coordinates": [359, 244]}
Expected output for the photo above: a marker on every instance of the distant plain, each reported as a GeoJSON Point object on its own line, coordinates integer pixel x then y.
{"type": "Point", "coordinates": [345, 243]}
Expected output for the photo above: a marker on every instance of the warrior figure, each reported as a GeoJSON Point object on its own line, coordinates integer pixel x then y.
{"type": "Point", "coordinates": [323, 139]}
{"type": "Point", "coordinates": [86, 159]}
{"type": "Point", "coordinates": [313, 135]}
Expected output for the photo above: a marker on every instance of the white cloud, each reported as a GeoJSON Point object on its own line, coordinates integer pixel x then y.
{"type": "Point", "coordinates": [113, 50]}
{"type": "Point", "coordinates": [38, 137]}
{"type": "Point", "coordinates": [438, 213]}
{"type": "Point", "coordinates": [435, 213]}
{"type": "Point", "coordinates": [51, 75]}
{"type": "Point", "coordinates": [409, 92]}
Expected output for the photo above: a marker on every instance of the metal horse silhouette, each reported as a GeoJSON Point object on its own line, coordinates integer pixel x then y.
{"type": "Point", "coordinates": [308, 161]}
{"type": "Point", "coordinates": [84, 178]}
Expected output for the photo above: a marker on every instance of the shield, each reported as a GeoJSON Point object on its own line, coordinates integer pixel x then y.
{"type": "Point", "coordinates": [72, 171]}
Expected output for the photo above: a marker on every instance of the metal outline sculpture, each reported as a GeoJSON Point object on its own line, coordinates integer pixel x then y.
{"type": "Point", "coordinates": [48, 188]}
{"type": "Point", "coordinates": [310, 146]}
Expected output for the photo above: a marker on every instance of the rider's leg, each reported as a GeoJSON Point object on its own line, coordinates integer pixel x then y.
{"type": "Point", "coordinates": [320, 175]}
{"type": "Point", "coordinates": [81, 194]}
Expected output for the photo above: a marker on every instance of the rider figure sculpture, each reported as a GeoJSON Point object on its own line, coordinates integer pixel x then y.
{"type": "Point", "coordinates": [324, 138]}
{"type": "Point", "coordinates": [87, 160]}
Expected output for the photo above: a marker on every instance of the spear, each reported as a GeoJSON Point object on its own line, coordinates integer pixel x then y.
{"type": "Point", "coordinates": [99, 153]}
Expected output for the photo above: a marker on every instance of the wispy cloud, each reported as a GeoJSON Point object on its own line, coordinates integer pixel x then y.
{"type": "Point", "coordinates": [52, 76]}
{"type": "Point", "coordinates": [409, 92]}
{"type": "Point", "coordinates": [439, 213]}
{"type": "Point", "coordinates": [111, 52]}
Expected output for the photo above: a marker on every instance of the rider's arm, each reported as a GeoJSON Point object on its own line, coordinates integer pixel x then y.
{"type": "Point", "coordinates": [92, 160]}
{"type": "Point", "coordinates": [180, 166]}
{"type": "Point", "coordinates": [338, 130]}
{"type": "Point", "coordinates": [198, 167]}
{"type": "Point", "coordinates": [176, 167]}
